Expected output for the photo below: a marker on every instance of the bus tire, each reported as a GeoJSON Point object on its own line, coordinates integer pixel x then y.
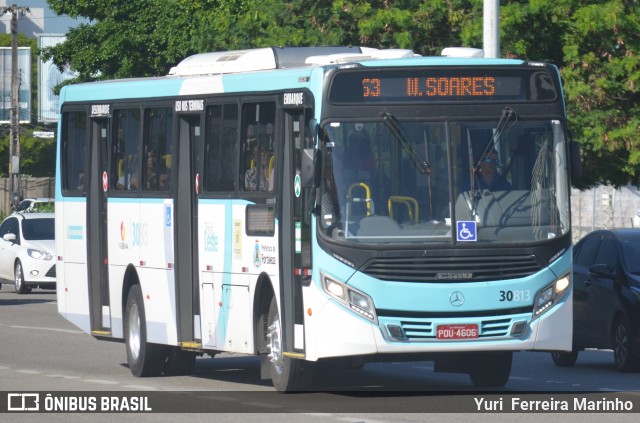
{"type": "Point", "coordinates": [287, 374]}
{"type": "Point", "coordinates": [565, 359]}
{"type": "Point", "coordinates": [491, 370]}
{"type": "Point", "coordinates": [145, 359]}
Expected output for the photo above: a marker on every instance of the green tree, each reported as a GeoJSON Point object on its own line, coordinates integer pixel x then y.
{"type": "Point", "coordinates": [602, 78]}
{"type": "Point", "coordinates": [124, 38]}
{"type": "Point", "coordinates": [37, 155]}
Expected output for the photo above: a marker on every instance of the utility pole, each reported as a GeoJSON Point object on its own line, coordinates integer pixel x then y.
{"type": "Point", "coordinates": [491, 28]}
{"type": "Point", "coordinates": [14, 143]}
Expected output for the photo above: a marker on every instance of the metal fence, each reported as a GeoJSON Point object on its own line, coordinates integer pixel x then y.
{"type": "Point", "coordinates": [604, 207]}
{"type": "Point", "coordinates": [29, 188]}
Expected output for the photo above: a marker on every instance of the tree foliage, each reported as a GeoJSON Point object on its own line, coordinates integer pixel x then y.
{"type": "Point", "coordinates": [37, 156]}
{"type": "Point", "coordinates": [124, 38]}
{"type": "Point", "coordinates": [593, 42]}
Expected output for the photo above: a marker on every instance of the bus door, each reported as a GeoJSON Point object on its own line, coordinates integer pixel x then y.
{"type": "Point", "coordinates": [296, 239]}
{"type": "Point", "coordinates": [97, 245]}
{"type": "Point", "coordinates": [186, 226]}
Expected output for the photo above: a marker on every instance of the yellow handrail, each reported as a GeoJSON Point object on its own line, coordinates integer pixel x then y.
{"type": "Point", "coordinates": [407, 201]}
{"type": "Point", "coordinates": [367, 199]}
{"type": "Point", "coordinates": [272, 162]}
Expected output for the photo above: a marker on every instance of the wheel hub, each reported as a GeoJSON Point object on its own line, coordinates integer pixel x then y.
{"type": "Point", "coordinates": [274, 345]}
{"type": "Point", "coordinates": [134, 331]}
{"type": "Point", "coordinates": [620, 349]}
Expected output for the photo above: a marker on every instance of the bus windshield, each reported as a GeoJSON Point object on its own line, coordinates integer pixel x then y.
{"type": "Point", "coordinates": [499, 180]}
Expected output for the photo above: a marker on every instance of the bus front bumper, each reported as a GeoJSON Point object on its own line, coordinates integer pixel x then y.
{"type": "Point", "coordinates": [334, 331]}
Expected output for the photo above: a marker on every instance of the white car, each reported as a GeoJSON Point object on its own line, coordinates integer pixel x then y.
{"type": "Point", "coordinates": [27, 251]}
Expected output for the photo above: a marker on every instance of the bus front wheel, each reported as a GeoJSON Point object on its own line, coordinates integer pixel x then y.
{"type": "Point", "coordinates": [491, 370]}
{"type": "Point", "coordinates": [565, 359]}
{"type": "Point", "coordinates": [144, 359]}
{"type": "Point", "coordinates": [287, 374]}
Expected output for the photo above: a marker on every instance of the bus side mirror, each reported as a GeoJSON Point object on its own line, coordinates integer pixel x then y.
{"type": "Point", "coordinates": [575, 161]}
{"type": "Point", "coordinates": [307, 173]}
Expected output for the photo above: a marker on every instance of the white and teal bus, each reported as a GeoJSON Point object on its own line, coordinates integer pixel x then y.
{"type": "Point", "coordinates": [308, 204]}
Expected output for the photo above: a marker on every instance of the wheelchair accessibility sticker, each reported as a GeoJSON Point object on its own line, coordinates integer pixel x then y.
{"type": "Point", "coordinates": [467, 230]}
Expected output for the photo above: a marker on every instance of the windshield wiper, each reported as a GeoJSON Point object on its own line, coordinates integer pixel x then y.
{"type": "Point", "coordinates": [391, 122]}
{"type": "Point", "coordinates": [507, 115]}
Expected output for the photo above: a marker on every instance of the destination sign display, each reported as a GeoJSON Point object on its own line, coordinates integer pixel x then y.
{"type": "Point", "coordinates": [443, 85]}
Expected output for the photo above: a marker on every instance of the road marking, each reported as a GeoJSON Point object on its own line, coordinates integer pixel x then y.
{"type": "Point", "coordinates": [101, 381]}
{"type": "Point", "coordinates": [140, 387]}
{"type": "Point", "coordinates": [29, 372]}
{"type": "Point", "coordinates": [263, 405]}
{"type": "Point", "coordinates": [50, 329]}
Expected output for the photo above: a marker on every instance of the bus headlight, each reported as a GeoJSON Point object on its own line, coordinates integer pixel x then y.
{"type": "Point", "coordinates": [355, 300]}
{"type": "Point", "coordinates": [550, 295]}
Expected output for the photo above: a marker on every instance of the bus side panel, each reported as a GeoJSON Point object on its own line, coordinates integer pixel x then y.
{"type": "Point", "coordinates": [158, 291]}
{"type": "Point", "coordinates": [71, 244]}
{"type": "Point", "coordinates": [133, 242]}
{"type": "Point", "coordinates": [215, 261]}
{"type": "Point", "coordinates": [122, 252]}
{"type": "Point", "coordinates": [231, 263]}
{"type": "Point", "coordinates": [156, 270]}
{"type": "Point", "coordinates": [255, 257]}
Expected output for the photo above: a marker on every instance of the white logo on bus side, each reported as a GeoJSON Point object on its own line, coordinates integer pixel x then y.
{"type": "Point", "coordinates": [297, 185]}
{"type": "Point", "coordinates": [296, 99]}
{"type": "Point", "coordinates": [189, 105]}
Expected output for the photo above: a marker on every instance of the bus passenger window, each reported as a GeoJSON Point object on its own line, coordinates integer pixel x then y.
{"type": "Point", "coordinates": [74, 138]}
{"type": "Point", "coordinates": [126, 166]}
{"type": "Point", "coordinates": [157, 145]}
{"type": "Point", "coordinates": [258, 147]}
{"type": "Point", "coordinates": [220, 148]}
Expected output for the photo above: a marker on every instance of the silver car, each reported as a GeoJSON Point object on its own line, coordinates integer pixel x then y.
{"type": "Point", "coordinates": [27, 251]}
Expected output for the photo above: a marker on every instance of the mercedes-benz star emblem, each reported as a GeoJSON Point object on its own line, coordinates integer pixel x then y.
{"type": "Point", "coordinates": [456, 298]}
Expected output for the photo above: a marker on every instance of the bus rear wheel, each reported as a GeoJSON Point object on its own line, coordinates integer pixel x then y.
{"type": "Point", "coordinates": [287, 374]}
{"type": "Point", "coordinates": [145, 359]}
{"type": "Point", "coordinates": [491, 370]}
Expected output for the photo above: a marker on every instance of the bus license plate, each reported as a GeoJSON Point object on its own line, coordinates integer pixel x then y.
{"type": "Point", "coordinates": [457, 331]}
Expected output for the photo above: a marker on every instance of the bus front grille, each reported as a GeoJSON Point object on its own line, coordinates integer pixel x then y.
{"type": "Point", "coordinates": [416, 330]}
{"type": "Point", "coordinates": [458, 269]}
